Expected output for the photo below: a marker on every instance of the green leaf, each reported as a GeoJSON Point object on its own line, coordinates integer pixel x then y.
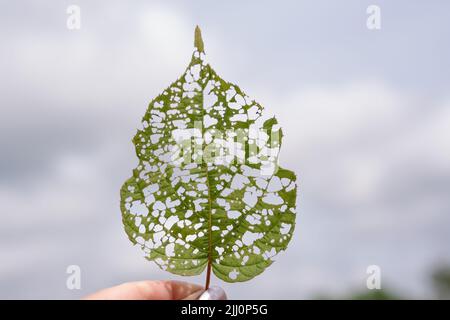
{"type": "Point", "coordinates": [208, 191]}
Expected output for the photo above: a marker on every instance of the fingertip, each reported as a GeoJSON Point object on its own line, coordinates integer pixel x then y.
{"type": "Point", "coordinates": [184, 290]}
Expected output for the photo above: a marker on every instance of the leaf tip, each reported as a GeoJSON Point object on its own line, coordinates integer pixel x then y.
{"type": "Point", "coordinates": [198, 41]}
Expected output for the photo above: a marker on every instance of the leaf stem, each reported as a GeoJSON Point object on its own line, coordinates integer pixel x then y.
{"type": "Point", "coordinates": [208, 274]}
{"type": "Point", "coordinates": [208, 271]}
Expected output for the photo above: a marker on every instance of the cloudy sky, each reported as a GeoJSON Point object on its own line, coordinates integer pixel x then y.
{"type": "Point", "coordinates": [366, 117]}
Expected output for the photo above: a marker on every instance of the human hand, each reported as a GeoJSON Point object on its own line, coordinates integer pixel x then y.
{"type": "Point", "coordinates": [158, 290]}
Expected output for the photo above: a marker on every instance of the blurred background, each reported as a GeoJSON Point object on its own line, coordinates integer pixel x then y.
{"type": "Point", "coordinates": [366, 117]}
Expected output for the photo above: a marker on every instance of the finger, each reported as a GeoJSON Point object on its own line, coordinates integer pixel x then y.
{"type": "Point", "coordinates": [195, 295]}
{"type": "Point", "coordinates": [147, 290]}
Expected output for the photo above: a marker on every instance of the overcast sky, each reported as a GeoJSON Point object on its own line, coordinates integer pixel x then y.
{"type": "Point", "coordinates": [365, 114]}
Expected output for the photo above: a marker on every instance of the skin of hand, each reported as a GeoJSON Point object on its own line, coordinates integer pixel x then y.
{"type": "Point", "coordinates": [150, 290]}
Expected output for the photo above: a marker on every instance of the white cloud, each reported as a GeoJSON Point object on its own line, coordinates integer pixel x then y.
{"type": "Point", "coordinates": [372, 160]}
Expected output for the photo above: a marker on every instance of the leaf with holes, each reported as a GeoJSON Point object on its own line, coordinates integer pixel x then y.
{"type": "Point", "coordinates": [208, 191]}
